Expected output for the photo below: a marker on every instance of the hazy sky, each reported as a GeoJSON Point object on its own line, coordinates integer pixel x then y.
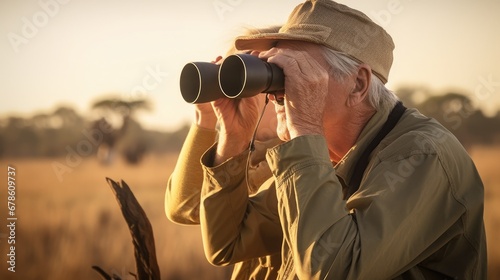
{"type": "Point", "coordinates": [71, 52]}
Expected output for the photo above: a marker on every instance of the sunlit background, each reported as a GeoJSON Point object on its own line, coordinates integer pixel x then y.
{"type": "Point", "coordinates": [80, 58]}
{"type": "Point", "coordinates": [75, 52]}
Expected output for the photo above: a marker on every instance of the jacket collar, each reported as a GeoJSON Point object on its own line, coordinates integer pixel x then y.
{"type": "Point", "coordinates": [344, 168]}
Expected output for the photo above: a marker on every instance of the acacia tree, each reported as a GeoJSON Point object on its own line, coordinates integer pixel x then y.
{"type": "Point", "coordinates": [119, 115]}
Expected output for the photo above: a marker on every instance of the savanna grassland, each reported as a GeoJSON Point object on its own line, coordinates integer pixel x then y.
{"type": "Point", "coordinates": [66, 226]}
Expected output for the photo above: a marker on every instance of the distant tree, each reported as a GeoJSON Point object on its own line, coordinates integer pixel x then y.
{"type": "Point", "coordinates": [20, 134]}
{"type": "Point", "coordinates": [412, 96]}
{"type": "Point", "coordinates": [456, 112]}
{"type": "Point", "coordinates": [59, 131]}
{"type": "Point", "coordinates": [452, 110]}
{"type": "Point", "coordinates": [67, 116]}
{"type": "Point", "coordinates": [43, 134]}
{"type": "Point", "coordinates": [121, 107]}
{"type": "Point", "coordinates": [481, 128]}
{"type": "Point", "coordinates": [111, 110]}
{"type": "Point", "coordinates": [64, 129]}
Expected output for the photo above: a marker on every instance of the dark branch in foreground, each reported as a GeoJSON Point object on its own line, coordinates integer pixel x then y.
{"type": "Point", "coordinates": [141, 231]}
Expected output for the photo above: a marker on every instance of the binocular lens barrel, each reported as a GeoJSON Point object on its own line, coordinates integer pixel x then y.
{"type": "Point", "coordinates": [245, 75]}
{"type": "Point", "coordinates": [199, 82]}
{"type": "Point", "coordinates": [239, 76]}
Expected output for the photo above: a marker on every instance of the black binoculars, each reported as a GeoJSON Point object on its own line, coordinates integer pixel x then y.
{"type": "Point", "coordinates": [239, 76]}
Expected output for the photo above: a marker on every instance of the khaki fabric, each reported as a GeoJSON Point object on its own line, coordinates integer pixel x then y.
{"type": "Point", "coordinates": [418, 213]}
{"type": "Point", "coordinates": [182, 197]}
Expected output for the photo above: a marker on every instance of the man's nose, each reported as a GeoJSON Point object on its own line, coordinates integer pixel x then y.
{"type": "Point", "coordinates": [278, 98]}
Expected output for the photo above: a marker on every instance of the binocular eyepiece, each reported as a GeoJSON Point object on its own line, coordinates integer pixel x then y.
{"type": "Point", "coordinates": [239, 76]}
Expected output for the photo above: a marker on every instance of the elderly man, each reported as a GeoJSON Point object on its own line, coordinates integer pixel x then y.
{"type": "Point", "coordinates": [363, 188]}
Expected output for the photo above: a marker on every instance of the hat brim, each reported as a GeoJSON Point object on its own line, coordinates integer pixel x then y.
{"type": "Point", "coordinates": [266, 41]}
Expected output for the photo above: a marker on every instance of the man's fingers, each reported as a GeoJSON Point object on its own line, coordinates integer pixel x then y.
{"type": "Point", "coordinates": [292, 61]}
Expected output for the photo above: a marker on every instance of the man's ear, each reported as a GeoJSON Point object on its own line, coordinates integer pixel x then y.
{"type": "Point", "coordinates": [362, 80]}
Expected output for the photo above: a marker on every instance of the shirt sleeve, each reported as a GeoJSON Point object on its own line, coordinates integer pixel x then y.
{"type": "Point", "coordinates": [235, 226]}
{"type": "Point", "coordinates": [387, 227]}
{"type": "Point", "coordinates": [182, 196]}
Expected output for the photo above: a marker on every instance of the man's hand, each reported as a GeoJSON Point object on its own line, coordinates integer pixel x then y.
{"type": "Point", "coordinates": [205, 116]}
{"type": "Point", "coordinates": [237, 119]}
{"type": "Point", "coordinates": [306, 88]}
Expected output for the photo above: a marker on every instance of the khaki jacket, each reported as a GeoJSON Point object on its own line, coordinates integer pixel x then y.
{"type": "Point", "coordinates": [418, 213]}
{"type": "Point", "coordinates": [182, 196]}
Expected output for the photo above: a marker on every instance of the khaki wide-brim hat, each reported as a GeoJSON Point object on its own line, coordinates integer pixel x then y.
{"type": "Point", "coordinates": [335, 26]}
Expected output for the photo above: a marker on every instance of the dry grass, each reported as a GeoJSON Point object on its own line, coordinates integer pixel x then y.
{"type": "Point", "coordinates": [486, 159]}
{"type": "Point", "coordinates": [64, 228]}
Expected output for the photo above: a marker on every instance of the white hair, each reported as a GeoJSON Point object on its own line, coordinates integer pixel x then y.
{"type": "Point", "coordinates": [379, 96]}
